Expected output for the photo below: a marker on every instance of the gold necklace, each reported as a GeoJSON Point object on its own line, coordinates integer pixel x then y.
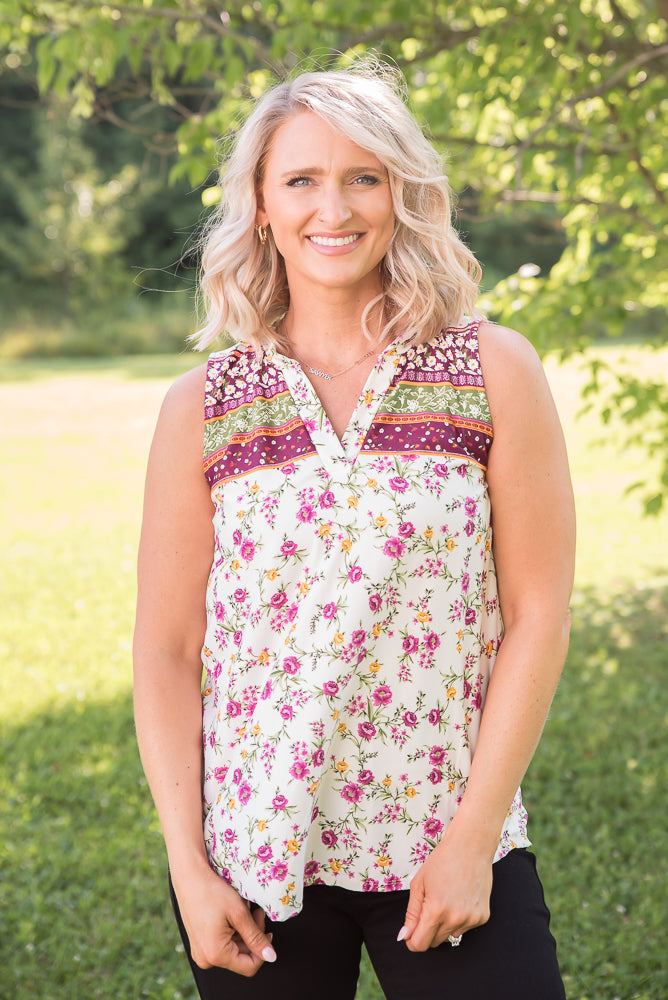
{"type": "Point", "coordinates": [318, 371]}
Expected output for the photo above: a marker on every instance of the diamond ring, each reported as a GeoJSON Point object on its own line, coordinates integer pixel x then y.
{"type": "Point", "coordinates": [455, 940]}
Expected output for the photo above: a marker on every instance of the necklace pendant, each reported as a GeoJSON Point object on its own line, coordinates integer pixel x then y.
{"type": "Point", "coordinates": [316, 371]}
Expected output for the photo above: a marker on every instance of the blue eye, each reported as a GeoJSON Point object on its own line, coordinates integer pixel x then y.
{"type": "Point", "coordinates": [298, 181]}
{"type": "Point", "coordinates": [366, 179]}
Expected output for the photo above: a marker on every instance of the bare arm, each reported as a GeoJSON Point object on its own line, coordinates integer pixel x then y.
{"type": "Point", "coordinates": [175, 556]}
{"type": "Point", "coordinates": [534, 541]}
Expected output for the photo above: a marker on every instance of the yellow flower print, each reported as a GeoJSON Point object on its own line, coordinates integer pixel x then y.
{"type": "Point", "coordinates": [372, 483]}
{"type": "Point", "coordinates": [487, 545]}
{"type": "Point", "coordinates": [244, 754]}
{"type": "Point", "coordinates": [254, 488]}
{"type": "Point", "coordinates": [489, 648]}
{"type": "Point", "coordinates": [374, 667]}
{"type": "Point", "coordinates": [459, 647]}
{"type": "Point", "coordinates": [313, 787]}
{"type": "Point", "coordinates": [336, 866]}
{"type": "Point", "coordinates": [451, 786]}
{"type": "Point", "coordinates": [291, 886]}
{"type": "Point", "coordinates": [451, 692]}
{"type": "Point", "coordinates": [411, 793]}
{"type": "Point", "coordinates": [271, 574]}
{"type": "Point", "coordinates": [387, 781]}
{"type": "Point", "coordinates": [428, 533]}
{"type": "Point", "coordinates": [241, 733]}
{"type": "Point", "coordinates": [423, 616]}
{"type": "Point", "coordinates": [342, 727]}
{"type": "Point", "coordinates": [377, 629]}
{"type": "Point", "coordinates": [478, 539]}
{"type": "Point", "coordinates": [368, 397]}
{"type": "Point", "coordinates": [262, 825]}
{"type": "Point", "coordinates": [341, 765]}
{"type": "Point", "coordinates": [231, 804]}
{"type": "Point", "coordinates": [207, 692]}
{"type": "Point", "coordinates": [352, 501]}
{"type": "Point", "coordinates": [450, 544]}
{"type": "Point", "coordinates": [381, 521]}
{"type": "Point", "coordinates": [383, 861]}
{"type": "Point", "coordinates": [257, 729]}
{"type": "Point", "coordinates": [324, 530]}
{"type": "Point", "coordinates": [241, 514]}
{"type": "Point", "coordinates": [304, 587]}
{"type": "Point", "coordinates": [293, 846]}
{"type": "Point", "coordinates": [335, 715]}
{"type": "Point", "coordinates": [460, 633]}
{"type": "Point", "coordinates": [338, 638]}
{"type": "Point", "coordinates": [263, 657]}
{"type": "Point", "coordinates": [285, 900]}
{"type": "Point", "coordinates": [346, 545]}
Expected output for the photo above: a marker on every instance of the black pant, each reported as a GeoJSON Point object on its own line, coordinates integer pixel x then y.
{"type": "Point", "coordinates": [511, 957]}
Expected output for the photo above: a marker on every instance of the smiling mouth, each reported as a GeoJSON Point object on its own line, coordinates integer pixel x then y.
{"type": "Point", "coordinates": [335, 241]}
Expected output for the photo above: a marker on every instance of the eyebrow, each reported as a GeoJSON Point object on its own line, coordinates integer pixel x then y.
{"type": "Point", "coordinates": [318, 171]}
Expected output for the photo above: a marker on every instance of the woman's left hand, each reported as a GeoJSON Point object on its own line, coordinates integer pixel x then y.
{"type": "Point", "coordinates": [449, 896]}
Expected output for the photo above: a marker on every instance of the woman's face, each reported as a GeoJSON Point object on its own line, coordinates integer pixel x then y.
{"type": "Point", "coordinates": [329, 205]}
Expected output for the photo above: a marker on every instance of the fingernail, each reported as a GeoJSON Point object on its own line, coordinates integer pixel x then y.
{"type": "Point", "coordinates": [403, 934]}
{"type": "Point", "coordinates": [268, 954]}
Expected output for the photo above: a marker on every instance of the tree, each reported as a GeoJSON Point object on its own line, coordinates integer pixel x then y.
{"type": "Point", "coordinates": [552, 110]}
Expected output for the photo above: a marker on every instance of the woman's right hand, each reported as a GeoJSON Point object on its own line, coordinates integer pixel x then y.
{"type": "Point", "coordinates": [221, 928]}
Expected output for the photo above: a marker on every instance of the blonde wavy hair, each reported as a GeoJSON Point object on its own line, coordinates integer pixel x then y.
{"type": "Point", "coordinates": [429, 277]}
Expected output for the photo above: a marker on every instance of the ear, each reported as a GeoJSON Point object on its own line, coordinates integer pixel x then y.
{"type": "Point", "coordinates": [260, 215]}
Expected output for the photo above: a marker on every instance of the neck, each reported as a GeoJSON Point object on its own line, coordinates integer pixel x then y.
{"type": "Point", "coordinates": [330, 336]}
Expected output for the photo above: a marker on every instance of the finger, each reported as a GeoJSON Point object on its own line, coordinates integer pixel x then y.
{"type": "Point", "coordinates": [413, 911]}
{"type": "Point", "coordinates": [250, 928]}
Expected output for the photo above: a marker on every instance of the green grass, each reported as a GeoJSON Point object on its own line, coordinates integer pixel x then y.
{"type": "Point", "coordinates": [83, 909]}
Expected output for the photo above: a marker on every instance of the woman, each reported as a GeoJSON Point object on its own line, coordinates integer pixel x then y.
{"type": "Point", "coordinates": [330, 565]}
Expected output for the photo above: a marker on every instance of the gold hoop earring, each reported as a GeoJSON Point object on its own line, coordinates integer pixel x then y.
{"type": "Point", "coordinates": [262, 234]}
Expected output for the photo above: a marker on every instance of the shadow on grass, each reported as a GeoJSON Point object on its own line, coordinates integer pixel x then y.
{"type": "Point", "coordinates": [84, 909]}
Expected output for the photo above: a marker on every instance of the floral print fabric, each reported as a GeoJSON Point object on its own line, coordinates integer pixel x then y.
{"type": "Point", "coordinates": [353, 619]}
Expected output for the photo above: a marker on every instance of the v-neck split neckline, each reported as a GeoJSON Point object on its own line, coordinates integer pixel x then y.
{"type": "Point", "coordinates": [331, 449]}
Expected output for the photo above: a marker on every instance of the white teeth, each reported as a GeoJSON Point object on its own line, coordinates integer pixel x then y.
{"type": "Point", "coordinates": [334, 241]}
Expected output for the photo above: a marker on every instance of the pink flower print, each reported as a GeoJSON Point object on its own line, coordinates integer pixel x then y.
{"type": "Point", "coordinates": [358, 637]}
{"type": "Point", "coordinates": [264, 853]}
{"type": "Point", "coordinates": [306, 513]}
{"type": "Point", "coordinates": [399, 484]}
{"type": "Point", "coordinates": [229, 836]}
{"type": "Point", "coordinates": [355, 574]}
{"type": "Point", "coordinates": [220, 611]}
{"type": "Point", "coordinates": [237, 637]}
{"type": "Point", "coordinates": [236, 777]}
{"type": "Point", "coordinates": [470, 616]}
{"type": "Point", "coordinates": [291, 665]}
{"type": "Point", "coordinates": [311, 868]}
{"type": "Point", "coordinates": [367, 730]}
{"type": "Point", "coordinates": [434, 716]}
{"type": "Point", "coordinates": [441, 471]}
{"type": "Point", "coordinates": [437, 755]}
{"type": "Point", "coordinates": [288, 548]}
{"type": "Point", "coordinates": [219, 773]}
{"type": "Point", "coordinates": [236, 537]}
{"type": "Point", "coordinates": [432, 641]}
{"type": "Point", "coordinates": [233, 708]}
{"type": "Point", "coordinates": [382, 695]}
{"type": "Point", "coordinates": [392, 882]}
{"type": "Point", "coordinates": [327, 499]}
{"type": "Point", "coordinates": [406, 529]}
{"type": "Point", "coordinates": [432, 827]}
{"type": "Point", "coordinates": [291, 613]}
{"type": "Point", "coordinates": [318, 757]}
{"type": "Point", "coordinates": [469, 528]}
{"type": "Point", "coordinates": [286, 712]}
{"type": "Point", "coordinates": [240, 594]}
{"type": "Point", "coordinates": [287, 470]}
{"type": "Point", "coordinates": [394, 548]}
{"type": "Point", "coordinates": [329, 611]}
{"type": "Point", "coordinates": [461, 470]}
{"type": "Point", "coordinates": [245, 791]}
{"type": "Point", "coordinates": [279, 802]}
{"type": "Point", "coordinates": [329, 838]}
{"type": "Point", "coordinates": [266, 692]}
{"type": "Point", "coordinates": [330, 688]}
{"type": "Point", "coordinates": [470, 507]}
{"type": "Point", "coordinates": [278, 599]}
{"type": "Point", "coordinates": [435, 776]}
{"type": "Point", "coordinates": [370, 885]}
{"type": "Point", "coordinates": [410, 719]}
{"type": "Point", "coordinates": [365, 777]}
{"type": "Point", "coordinates": [299, 770]}
{"type": "Point", "coordinates": [410, 644]}
{"type": "Point", "coordinates": [375, 602]}
{"type": "Point", "coordinates": [466, 580]}
{"type": "Point", "coordinates": [279, 870]}
{"type": "Point", "coordinates": [247, 549]}
{"type": "Point", "coordinates": [467, 688]}
{"type": "Point", "coordinates": [352, 792]}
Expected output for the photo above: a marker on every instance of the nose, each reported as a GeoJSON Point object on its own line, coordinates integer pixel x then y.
{"type": "Point", "coordinates": [334, 209]}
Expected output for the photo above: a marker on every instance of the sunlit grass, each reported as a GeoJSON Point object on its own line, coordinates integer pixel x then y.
{"type": "Point", "coordinates": [82, 892]}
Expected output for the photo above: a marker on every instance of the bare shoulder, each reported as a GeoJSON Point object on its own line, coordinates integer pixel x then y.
{"type": "Point", "coordinates": [512, 371]}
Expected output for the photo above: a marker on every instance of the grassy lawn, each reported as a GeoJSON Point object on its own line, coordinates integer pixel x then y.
{"type": "Point", "coordinates": [83, 908]}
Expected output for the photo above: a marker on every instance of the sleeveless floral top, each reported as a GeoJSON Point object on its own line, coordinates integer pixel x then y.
{"type": "Point", "coordinates": [353, 619]}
